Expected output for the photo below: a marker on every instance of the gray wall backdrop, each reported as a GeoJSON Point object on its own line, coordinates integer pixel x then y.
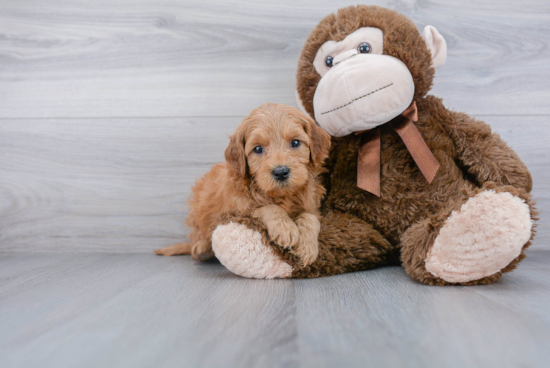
{"type": "Point", "coordinates": [110, 109]}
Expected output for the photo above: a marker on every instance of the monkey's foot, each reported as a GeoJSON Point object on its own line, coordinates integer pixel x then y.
{"type": "Point", "coordinates": [482, 238]}
{"type": "Point", "coordinates": [242, 251]}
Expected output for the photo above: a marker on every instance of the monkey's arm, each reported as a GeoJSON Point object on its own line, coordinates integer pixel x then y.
{"type": "Point", "coordinates": [484, 155]}
{"type": "Point", "coordinates": [346, 244]}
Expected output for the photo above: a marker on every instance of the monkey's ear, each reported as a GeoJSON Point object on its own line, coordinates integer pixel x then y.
{"type": "Point", "coordinates": [301, 105]}
{"type": "Point", "coordinates": [436, 44]}
{"type": "Point", "coordinates": [235, 155]}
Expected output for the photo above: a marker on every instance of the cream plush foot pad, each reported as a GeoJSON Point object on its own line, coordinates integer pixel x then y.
{"type": "Point", "coordinates": [483, 237]}
{"type": "Point", "coordinates": [242, 252]}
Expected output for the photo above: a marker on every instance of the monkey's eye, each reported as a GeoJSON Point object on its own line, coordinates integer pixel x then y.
{"type": "Point", "coordinates": [328, 61]}
{"type": "Point", "coordinates": [259, 150]}
{"type": "Point", "coordinates": [364, 48]}
{"type": "Point", "coordinates": [295, 143]}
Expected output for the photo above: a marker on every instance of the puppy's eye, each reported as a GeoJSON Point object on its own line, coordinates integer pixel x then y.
{"type": "Point", "coordinates": [258, 149]}
{"type": "Point", "coordinates": [295, 143]}
{"type": "Point", "coordinates": [364, 48]}
{"type": "Point", "coordinates": [328, 61]}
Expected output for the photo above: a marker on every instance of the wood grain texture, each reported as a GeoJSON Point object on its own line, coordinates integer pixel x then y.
{"type": "Point", "coordinates": [160, 58]}
{"type": "Point", "coordinates": [121, 185]}
{"type": "Point", "coordinates": [114, 310]}
{"type": "Point", "coordinates": [110, 110]}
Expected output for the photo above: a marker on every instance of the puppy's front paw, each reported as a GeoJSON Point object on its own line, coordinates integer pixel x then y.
{"type": "Point", "coordinates": [308, 245]}
{"type": "Point", "coordinates": [307, 250]}
{"type": "Point", "coordinates": [284, 232]}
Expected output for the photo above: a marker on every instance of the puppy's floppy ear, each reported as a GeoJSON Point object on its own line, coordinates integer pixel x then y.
{"type": "Point", "coordinates": [319, 140]}
{"type": "Point", "coordinates": [234, 153]}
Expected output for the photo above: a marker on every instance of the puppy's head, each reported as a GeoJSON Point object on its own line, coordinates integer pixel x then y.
{"type": "Point", "coordinates": [278, 146]}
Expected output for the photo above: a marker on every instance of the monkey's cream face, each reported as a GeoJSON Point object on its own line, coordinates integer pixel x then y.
{"type": "Point", "coordinates": [360, 87]}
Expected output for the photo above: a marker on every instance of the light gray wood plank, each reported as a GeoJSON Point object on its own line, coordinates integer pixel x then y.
{"type": "Point", "coordinates": [144, 311]}
{"type": "Point", "coordinates": [121, 185]}
{"type": "Point", "coordinates": [68, 183]}
{"type": "Point", "coordinates": [382, 318]}
{"type": "Point", "coordinates": [170, 58]}
{"type": "Point", "coordinates": [115, 310]}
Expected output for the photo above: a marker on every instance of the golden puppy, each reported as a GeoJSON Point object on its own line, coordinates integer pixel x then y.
{"type": "Point", "coordinates": [271, 169]}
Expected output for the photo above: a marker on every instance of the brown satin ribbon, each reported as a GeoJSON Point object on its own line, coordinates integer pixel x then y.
{"type": "Point", "coordinates": [368, 165]}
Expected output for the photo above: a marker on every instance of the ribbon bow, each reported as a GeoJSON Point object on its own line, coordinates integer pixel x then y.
{"type": "Point", "coordinates": [368, 165]}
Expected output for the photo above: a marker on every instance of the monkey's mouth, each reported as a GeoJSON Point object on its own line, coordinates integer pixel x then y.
{"type": "Point", "coordinates": [358, 98]}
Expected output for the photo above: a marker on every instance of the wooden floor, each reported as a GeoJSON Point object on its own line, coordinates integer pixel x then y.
{"type": "Point", "coordinates": [141, 310]}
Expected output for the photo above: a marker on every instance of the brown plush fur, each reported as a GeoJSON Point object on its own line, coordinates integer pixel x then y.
{"type": "Point", "coordinates": [361, 231]}
{"type": "Point", "coordinates": [401, 40]}
{"type": "Point", "coordinates": [245, 186]}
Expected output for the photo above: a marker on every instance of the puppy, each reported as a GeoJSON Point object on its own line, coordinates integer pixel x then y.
{"type": "Point", "coordinates": [271, 173]}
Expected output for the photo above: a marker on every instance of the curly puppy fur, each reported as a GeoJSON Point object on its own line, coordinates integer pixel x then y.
{"type": "Point", "coordinates": [360, 230]}
{"type": "Point", "coordinates": [245, 184]}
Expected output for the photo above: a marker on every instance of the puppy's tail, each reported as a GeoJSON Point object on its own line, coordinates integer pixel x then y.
{"type": "Point", "coordinates": [176, 249]}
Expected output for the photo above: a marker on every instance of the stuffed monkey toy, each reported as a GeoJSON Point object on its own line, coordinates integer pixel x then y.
{"type": "Point", "coordinates": [408, 181]}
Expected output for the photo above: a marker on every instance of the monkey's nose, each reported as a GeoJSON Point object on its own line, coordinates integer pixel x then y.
{"type": "Point", "coordinates": [281, 173]}
{"type": "Point", "coordinates": [344, 56]}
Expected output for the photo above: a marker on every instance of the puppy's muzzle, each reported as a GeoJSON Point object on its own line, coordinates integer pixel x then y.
{"type": "Point", "coordinates": [281, 173]}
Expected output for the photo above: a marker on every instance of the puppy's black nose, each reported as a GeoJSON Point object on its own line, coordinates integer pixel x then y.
{"type": "Point", "coordinates": [281, 173]}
